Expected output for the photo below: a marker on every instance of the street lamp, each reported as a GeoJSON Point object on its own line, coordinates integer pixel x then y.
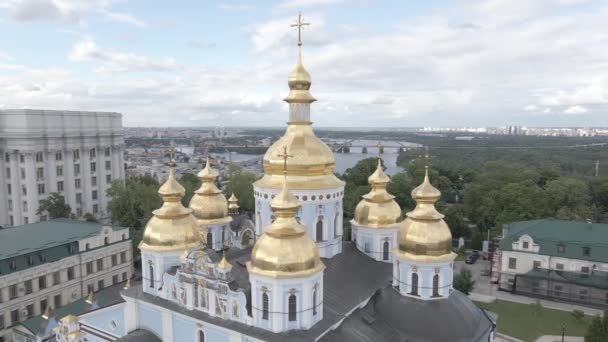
{"type": "Point", "coordinates": [563, 331]}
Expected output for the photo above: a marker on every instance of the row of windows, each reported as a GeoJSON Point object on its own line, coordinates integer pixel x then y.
{"type": "Point", "coordinates": [60, 186]}
{"type": "Point", "coordinates": [561, 248]}
{"type": "Point", "coordinates": [536, 264]}
{"type": "Point", "coordinates": [292, 305]}
{"type": "Point", "coordinates": [101, 282]}
{"type": "Point", "coordinates": [39, 156]}
{"type": "Point", "coordinates": [304, 198]}
{"type": "Point", "coordinates": [99, 262]}
{"type": "Point", "coordinates": [15, 291]}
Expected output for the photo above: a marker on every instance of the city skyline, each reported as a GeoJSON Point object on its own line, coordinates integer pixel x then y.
{"type": "Point", "coordinates": [455, 64]}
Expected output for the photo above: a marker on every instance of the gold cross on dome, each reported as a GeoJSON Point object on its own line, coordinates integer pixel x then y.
{"type": "Point", "coordinates": [171, 152]}
{"type": "Point", "coordinates": [285, 156]}
{"type": "Point", "coordinates": [379, 146]}
{"type": "Point", "coordinates": [300, 25]}
{"type": "Point", "coordinates": [427, 158]}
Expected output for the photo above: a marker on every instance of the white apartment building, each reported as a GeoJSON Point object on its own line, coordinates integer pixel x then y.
{"type": "Point", "coordinates": [56, 262]}
{"type": "Point", "coordinates": [555, 259]}
{"type": "Point", "coordinates": [77, 154]}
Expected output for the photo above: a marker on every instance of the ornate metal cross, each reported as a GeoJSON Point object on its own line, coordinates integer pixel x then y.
{"type": "Point", "coordinates": [285, 156]}
{"type": "Point", "coordinates": [300, 25]}
{"type": "Point", "coordinates": [379, 146]}
{"type": "Point", "coordinates": [171, 152]}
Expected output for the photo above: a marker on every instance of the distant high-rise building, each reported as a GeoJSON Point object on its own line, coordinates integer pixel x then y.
{"type": "Point", "coordinates": [77, 154]}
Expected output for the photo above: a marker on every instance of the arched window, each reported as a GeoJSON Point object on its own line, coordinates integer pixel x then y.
{"type": "Point", "coordinates": [209, 240]}
{"type": "Point", "coordinates": [320, 229]}
{"type": "Point", "coordinates": [106, 240]}
{"type": "Point", "coordinates": [223, 236]}
{"type": "Point", "coordinates": [314, 301]}
{"type": "Point", "coordinates": [414, 284]}
{"type": "Point", "coordinates": [272, 218]}
{"type": "Point", "coordinates": [385, 251]}
{"type": "Point", "coordinates": [436, 285]}
{"type": "Point", "coordinates": [151, 275]}
{"type": "Point", "coordinates": [292, 308]}
{"type": "Point", "coordinates": [201, 336]}
{"type": "Point", "coordinates": [124, 236]}
{"type": "Point", "coordinates": [258, 223]}
{"type": "Point", "coordinates": [265, 306]}
{"type": "Point", "coordinates": [337, 228]}
{"type": "Point", "coordinates": [246, 238]}
{"type": "Point", "coordinates": [88, 246]}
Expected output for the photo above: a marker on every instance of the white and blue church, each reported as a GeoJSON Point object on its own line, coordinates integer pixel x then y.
{"type": "Point", "coordinates": [291, 276]}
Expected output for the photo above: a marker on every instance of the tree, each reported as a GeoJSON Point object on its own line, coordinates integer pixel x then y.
{"type": "Point", "coordinates": [598, 329]}
{"type": "Point", "coordinates": [55, 206]}
{"type": "Point", "coordinates": [191, 183]}
{"type": "Point", "coordinates": [132, 202]}
{"type": "Point", "coordinates": [89, 217]}
{"type": "Point", "coordinates": [241, 183]}
{"type": "Point", "coordinates": [454, 217]}
{"type": "Point", "coordinates": [464, 282]}
{"type": "Point", "coordinates": [358, 174]}
{"type": "Point", "coordinates": [401, 187]}
{"type": "Point", "coordinates": [570, 198]}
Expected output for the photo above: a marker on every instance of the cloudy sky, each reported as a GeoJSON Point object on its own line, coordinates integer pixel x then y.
{"type": "Point", "coordinates": [373, 62]}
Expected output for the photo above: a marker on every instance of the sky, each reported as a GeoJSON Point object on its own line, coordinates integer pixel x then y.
{"type": "Point", "coordinates": [374, 63]}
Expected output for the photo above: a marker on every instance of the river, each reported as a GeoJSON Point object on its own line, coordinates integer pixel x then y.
{"type": "Point", "coordinates": [343, 160]}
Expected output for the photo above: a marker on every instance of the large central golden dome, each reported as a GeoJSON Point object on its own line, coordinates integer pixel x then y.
{"type": "Point", "coordinates": [285, 250]}
{"type": "Point", "coordinates": [312, 163]}
{"type": "Point", "coordinates": [377, 209]}
{"type": "Point", "coordinates": [424, 236]}
{"type": "Point", "coordinates": [172, 228]}
{"type": "Point", "coordinates": [209, 205]}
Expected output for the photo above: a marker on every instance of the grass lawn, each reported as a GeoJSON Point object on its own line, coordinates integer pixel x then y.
{"type": "Point", "coordinates": [522, 321]}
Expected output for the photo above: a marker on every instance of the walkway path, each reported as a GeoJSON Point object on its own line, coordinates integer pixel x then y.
{"type": "Point", "coordinates": [548, 338]}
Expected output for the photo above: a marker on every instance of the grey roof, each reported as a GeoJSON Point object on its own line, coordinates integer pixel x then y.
{"type": "Point", "coordinates": [139, 335]}
{"type": "Point", "coordinates": [349, 279]}
{"type": "Point", "coordinates": [33, 237]}
{"type": "Point", "coordinates": [239, 222]}
{"type": "Point", "coordinates": [390, 317]}
{"type": "Point", "coordinates": [107, 297]}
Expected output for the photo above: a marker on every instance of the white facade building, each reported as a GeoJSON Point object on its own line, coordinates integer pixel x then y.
{"type": "Point", "coordinates": [53, 263]}
{"type": "Point", "coordinates": [77, 154]}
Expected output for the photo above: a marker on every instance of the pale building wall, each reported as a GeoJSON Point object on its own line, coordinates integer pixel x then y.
{"type": "Point", "coordinates": [371, 241]}
{"type": "Point", "coordinates": [26, 133]}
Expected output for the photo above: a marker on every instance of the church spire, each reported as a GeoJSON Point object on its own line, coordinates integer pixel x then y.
{"type": "Point", "coordinates": [299, 80]}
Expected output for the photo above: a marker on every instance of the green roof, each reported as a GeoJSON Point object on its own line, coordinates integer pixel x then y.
{"type": "Point", "coordinates": [104, 298]}
{"type": "Point", "coordinates": [38, 243]}
{"type": "Point", "coordinates": [595, 279]}
{"type": "Point", "coordinates": [573, 235]}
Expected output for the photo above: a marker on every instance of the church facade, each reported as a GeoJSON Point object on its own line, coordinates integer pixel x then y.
{"type": "Point", "coordinates": [202, 281]}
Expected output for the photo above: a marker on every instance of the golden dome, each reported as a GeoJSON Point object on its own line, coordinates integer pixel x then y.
{"type": "Point", "coordinates": [299, 82]}
{"type": "Point", "coordinates": [172, 228]}
{"type": "Point", "coordinates": [209, 204]}
{"type": "Point", "coordinates": [424, 236]}
{"type": "Point", "coordinates": [377, 209]}
{"type": "Point", "coordinates": [311, 166]}
{"type": "Point", "coordinates": [285, 250]}
{"type": "Point", "coordinates": [224, 264]}
{"type": "Point", "coordinates": [233, 203]}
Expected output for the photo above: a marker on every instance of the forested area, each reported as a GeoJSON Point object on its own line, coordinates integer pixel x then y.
{"type": "Point", "coordinates": [492, 180]}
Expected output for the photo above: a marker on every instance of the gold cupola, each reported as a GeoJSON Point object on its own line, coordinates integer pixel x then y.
{"type": "Point", "coordinates": [312, 165]}
{"type": "Point", "coordinates": [285, 250]}
{"type": "Point", "coordinates": [424, 236]}
{"type": "Point", "coordinates": [172, 227]}
{"type": "Point", "coordinates": [209, 205]}
{"type": "Point", "coordinates": [233, 205]}
{"type": "Point", "coordinates": [378, 208]}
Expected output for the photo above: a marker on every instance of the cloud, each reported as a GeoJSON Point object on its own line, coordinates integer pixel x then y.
{"type": "Point", "coordinates": [67, 11]}
{"type": "Point", "coordinates": [531, 108]}
{"type": "Point", "coordinates": [196, 44]}
{"type": "Point", "coordinates": [125, 18]}
{"type": "Point", "coordinates": [235, 7]}
{"type": "Point", "coordinates": [278, 33]}
{"type": "Point", "coordinates": [296, 5]}
{"type": "Point", "coordinates": [576, 110]}
{"type": "Point", "coordinates": [115, 61]}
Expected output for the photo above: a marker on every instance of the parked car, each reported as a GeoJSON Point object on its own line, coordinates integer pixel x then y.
{"type": "Point", "coordinates": [471, 257]}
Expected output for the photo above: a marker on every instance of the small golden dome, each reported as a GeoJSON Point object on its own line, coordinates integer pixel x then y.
{"type": "Point", "coordinates": [299, 83]}
{"type": "Point", "coordinates": [310, 168]}
{"type": "Point", "coordinates": [378, 208]}
{"type": "Point", "coordinates": [172, 228]}
{"type": "Point", "coordinates": [233, 202]}
{"type": "Point", "coordinates": [424, 236]}
{"type": "Point", "coordinates": [285, 250]}
{"type": "Point", "coordinates": [209, 205]}
{"type": "Point", "coordinates": [224, 265]}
